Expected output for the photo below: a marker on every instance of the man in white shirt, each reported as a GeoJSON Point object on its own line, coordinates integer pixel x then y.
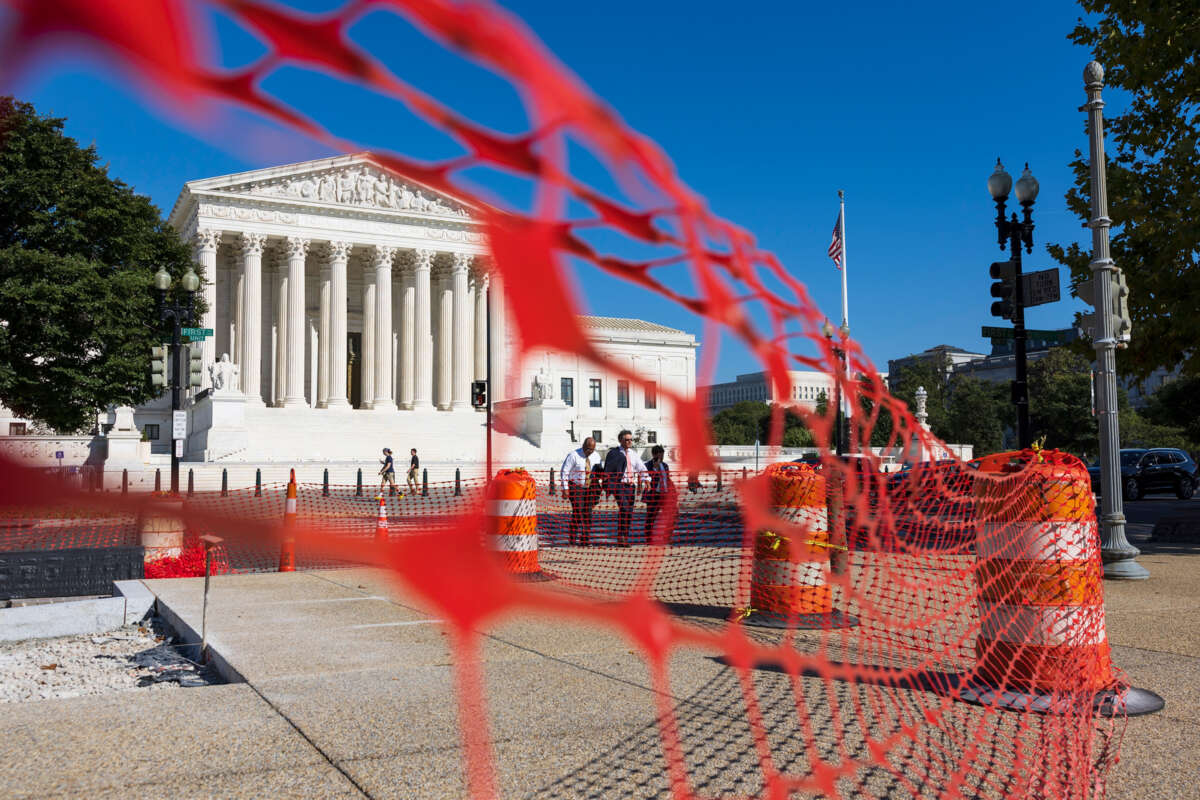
{"type": "Point", "coordinates": [577, 485]}
{"type": "Point", "coordinates": [624, 471]}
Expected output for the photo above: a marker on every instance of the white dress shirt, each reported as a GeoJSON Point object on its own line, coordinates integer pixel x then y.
{"type": "Point", "coordinates": [633, 466]}
{"type": "Point", "coordinates": [576, 468]}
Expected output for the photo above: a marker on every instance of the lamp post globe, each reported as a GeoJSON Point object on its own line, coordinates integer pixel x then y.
{"type": "Point", "coordinates": [1027, 188]}
{"type": "Point", "coordinates": [162, 279]}
{"type": "Point", "coordinates": [190, 281]}
{"type": "Point", "coordinates": [999, 182]}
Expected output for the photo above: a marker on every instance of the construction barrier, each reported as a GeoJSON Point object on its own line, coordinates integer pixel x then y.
{"type": "Point", "coordinates": [287, 548]}
{"type": "Point", "coordinates": [789, 585]}
{"type": "Point", "coordinates": [512, 523]}
{"type": "Point", "coordinates": [1042, 639]}
{"type": "Point", "coordinates": [161, 529]}
{"type": "Point", "coordinates": [381, 522]}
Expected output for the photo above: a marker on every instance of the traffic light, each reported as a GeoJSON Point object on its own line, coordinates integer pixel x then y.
{"type": "Point", "coordinates": [158, 365]}
{"type": "Point", "coordinates": [479, 394]}
{"type": "Point", "coordinates": [1004, 273]}
{"type": "Point", "coordinates": [195, 366]}
{"type": "Point", "coordinates": [1122, 325]}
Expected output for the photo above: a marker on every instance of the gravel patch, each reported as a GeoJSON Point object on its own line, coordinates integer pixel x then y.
{"type": "Point", "coordinates": [139, 656]}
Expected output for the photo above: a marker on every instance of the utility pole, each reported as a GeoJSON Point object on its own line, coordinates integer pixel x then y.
{"type": "Point", "coordinates": [1106, 286]}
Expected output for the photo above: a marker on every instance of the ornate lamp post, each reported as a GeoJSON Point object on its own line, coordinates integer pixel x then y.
{"type": "Point", "coordinates": [841, 429]}
{"type": "Point", "coordinates": [1014, 234]}
{"type": "Point", "coordinates": [178, 316]}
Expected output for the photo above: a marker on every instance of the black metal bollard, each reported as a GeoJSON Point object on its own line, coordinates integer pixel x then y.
{"type": "Point", "coordinates": [158, 480]}
{"type": "Point", "coordinates": [425, 482]}
{"type": "Point", "coordinates": [743, 473]}
{"type": "Point", "coordinates": [191, 483]}
{"type": "Point", "coordinates": [124, 481]}
{"type": "Point", "coordinates": [358, 485]}
{"type": "Point", "coordinates": [258, 482]}
{"type": "Point", "coordinates": [552, 492]}
{"type": "Point", "coordinates": [325, 484]}
{"type": "Point", "coordinates": [224, 482]}
{"type": "Point", "coordinates": [457, 482]}
{"type": "Point", "coordinates": [718, 479]}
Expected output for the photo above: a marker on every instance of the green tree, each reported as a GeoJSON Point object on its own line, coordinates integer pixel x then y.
{"type": "Point", "coordinates": [1149, 51]}
{"type": "Point", "coordinates": [740, 423]}
{"type": "Point", "coordinates": [977, 412]}
{"type": "Point", "coordinates": [1177, 405]}
{"type": "Point", "coordinates": [934, 375]}
{"type": "Point", "coordinates": [78, 250]}
{"type": "Point", "coordinates": [1060, 402]}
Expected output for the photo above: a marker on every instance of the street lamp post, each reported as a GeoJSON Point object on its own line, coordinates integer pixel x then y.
{"type": "Point", "coordinates": [1014, 234]}
{"type": "Point", "coordinates": [178, 315]}
{"type": "Point", "coordinates": [840, 428]}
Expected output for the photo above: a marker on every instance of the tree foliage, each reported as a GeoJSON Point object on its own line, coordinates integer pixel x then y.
{"type": "Point", "coordinates": [750, 421]}
{"type": "Point", "coordinates": [1148, 50]}
{"type": "Point", "coordinates": [78, 250]}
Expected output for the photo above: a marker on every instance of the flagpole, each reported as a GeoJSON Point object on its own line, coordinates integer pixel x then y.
{"type": "Point", "coordinates": [845, 300]}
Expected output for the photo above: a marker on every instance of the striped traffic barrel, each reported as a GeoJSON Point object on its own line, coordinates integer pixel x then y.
{"type": "Point", "coordinates": [789, 581]}
{"type": "Point", "coordinates": [1041, 602]}
{"type": "Point", "coordinates": [512, 523]}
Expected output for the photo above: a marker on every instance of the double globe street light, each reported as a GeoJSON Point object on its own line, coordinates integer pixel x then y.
{"type": "Point", "coordinates": [178, 315]}
{"type": "Point", "coordinates": [1013, 234]}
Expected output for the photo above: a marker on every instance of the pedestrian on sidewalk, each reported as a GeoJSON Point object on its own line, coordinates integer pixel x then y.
{"type": "Point", "coordinates": [623, 474]}
{"type": "Point", "coordinates": [577, 485]}
{"type": "Point", "coordinates": [387, 473]}
{"type": "Point", "coordinates": [414, 465]}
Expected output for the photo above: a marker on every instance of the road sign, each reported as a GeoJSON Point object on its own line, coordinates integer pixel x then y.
{"type": "Point", "coordinates": [179, 448]}
{"type": "Point", "coordinates": [179, 425]}
{"type": "Point", "coordinates": [1040, 287]}
{"type": "Point", "coordinates": [196, 333]}
{"type": "Point", "coordinates": [990, 332]}
{"type": "Point", "coordinates": [59, 454]}
{"type": "Point", "coordinates": [999, 335]}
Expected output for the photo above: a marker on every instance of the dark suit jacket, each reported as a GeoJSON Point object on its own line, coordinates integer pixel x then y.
{"type": "Point", "coordinates": [659, 483]}
{"type": "Point", "coordinates": [614, 469]}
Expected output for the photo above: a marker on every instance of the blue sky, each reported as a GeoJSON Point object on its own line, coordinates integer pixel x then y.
{"type": "Point", "coordinates": [766, 109]}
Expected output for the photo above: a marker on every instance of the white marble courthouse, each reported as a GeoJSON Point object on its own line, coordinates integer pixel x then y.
{"type": "Point", "coordinates": [352, 304]}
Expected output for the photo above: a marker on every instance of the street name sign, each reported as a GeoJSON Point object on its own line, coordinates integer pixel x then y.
{"type": "Point", "coordinates": [179, 425]}
{"type": "Point", "coordinates": [196, 333]}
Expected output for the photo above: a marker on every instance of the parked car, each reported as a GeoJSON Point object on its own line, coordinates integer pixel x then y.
{"type": "Point", "coordinates": [1158, 469]}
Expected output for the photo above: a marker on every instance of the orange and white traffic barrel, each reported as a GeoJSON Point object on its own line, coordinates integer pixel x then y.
{"type": "Point", "coordinates": [790, 578]}
{"type": "Point", "coordinates": [1042, 640]}
{"type": "Point", "coordinates": [512, 523]}
{"type": "Point", "coordinates": [287, 548]}
{"type": "Point", "coordinates": [381, 522]}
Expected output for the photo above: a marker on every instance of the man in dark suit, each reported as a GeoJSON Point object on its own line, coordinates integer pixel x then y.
{"type": "Point", "coordinates": [659, 495]}
{"type": "Point", "coordinates": [623, 473]}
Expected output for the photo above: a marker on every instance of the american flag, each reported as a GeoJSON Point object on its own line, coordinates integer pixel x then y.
{"type": "Point", "coordinates": [835, 247]}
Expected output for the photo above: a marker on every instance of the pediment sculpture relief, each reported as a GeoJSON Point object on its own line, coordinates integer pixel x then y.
{"type": "Point", "coordinates": [357, 186]}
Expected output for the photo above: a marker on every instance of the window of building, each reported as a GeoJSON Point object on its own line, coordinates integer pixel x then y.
{"type": "Point", "coordinates": [651, 394]}
{"type": "Point", "coordinates": [622, 394]}
{"type": "Point", "coordinates": [17, 429]}
{"type": "Point", "coordinates": [596, 436]}
{"type": "Point", "coordinates": [652, 437]}
{"type": "Point", "coordinates": [594, 392]}
{"type": "Point", "coordinates": [150, 432]}
{"type": "Point", "coordinates": [568, 391]}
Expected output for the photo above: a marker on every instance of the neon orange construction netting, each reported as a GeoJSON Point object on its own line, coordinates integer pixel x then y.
{"type": "Point", "coordinates": [936, 633]}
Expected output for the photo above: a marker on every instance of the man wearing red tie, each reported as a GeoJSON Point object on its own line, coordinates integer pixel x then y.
{"type": "Point", "coordinates": [623, 473]}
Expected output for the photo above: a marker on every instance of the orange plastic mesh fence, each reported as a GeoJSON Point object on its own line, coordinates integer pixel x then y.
{"type": "Point", "coordinates": [875, 643]}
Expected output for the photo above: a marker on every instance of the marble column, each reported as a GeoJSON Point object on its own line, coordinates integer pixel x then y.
{"type": "Point", "coordinates": [422, 337]}
{"type": "Point", "coordinates": [408, 308]}
{"type": "Point", "coordinates": [445, 344]}
{"type": "Point", "coordinates": [324, 324]}
{"type": "Point", "coordinates": [251, 326]}
{"type": "Point", "coordinates": [499, 387]}
{"type": "Point", "coordinates": [382, 260]}
{"type": "Point", "coordinates": [337, 255]}
{"type": "Point", "coordinates": [279, 383]}
{"type": "Point", "coordinates": [205, 243]}
{"type": "Point", "coordinates": [481, 321]}
{"type": "Point", "coordinates": [460, 391]}
{"type": "Point", "coordinates": [297, 251]}
{"type": "Point", "coordinates": [367, 357]}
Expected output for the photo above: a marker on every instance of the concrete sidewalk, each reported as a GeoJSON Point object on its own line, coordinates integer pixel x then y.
{"type": "Point", "coordinates": [349, 693]}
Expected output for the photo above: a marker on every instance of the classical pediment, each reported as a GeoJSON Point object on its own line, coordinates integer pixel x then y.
{"type": "Point", "coordinates": [359, 184]}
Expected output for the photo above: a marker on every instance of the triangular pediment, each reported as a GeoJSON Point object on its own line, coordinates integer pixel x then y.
{"type": "Point", "coordinates": [355, 181]}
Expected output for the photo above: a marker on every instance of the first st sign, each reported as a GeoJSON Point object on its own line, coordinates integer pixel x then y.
{"type": "Point", "coordinates": [196, 333]}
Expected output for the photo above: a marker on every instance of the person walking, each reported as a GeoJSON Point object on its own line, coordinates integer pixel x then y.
{"type": "Point", "coordinates": [660, 496]}
{"type": "Point", "coordinates": [387, 474]}
{"type": "Point", "coordinates": [414, 465]}
{"type": "Point", "coordinates": [623, 473]}
{"type": "Point", "coordinates": [577, 484]}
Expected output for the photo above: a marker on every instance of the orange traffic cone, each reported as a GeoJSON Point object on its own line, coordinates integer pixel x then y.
{"type": "Point", "coordinates": [381, 522]}
{"type": "Point", "coordinates": [287, 549]}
